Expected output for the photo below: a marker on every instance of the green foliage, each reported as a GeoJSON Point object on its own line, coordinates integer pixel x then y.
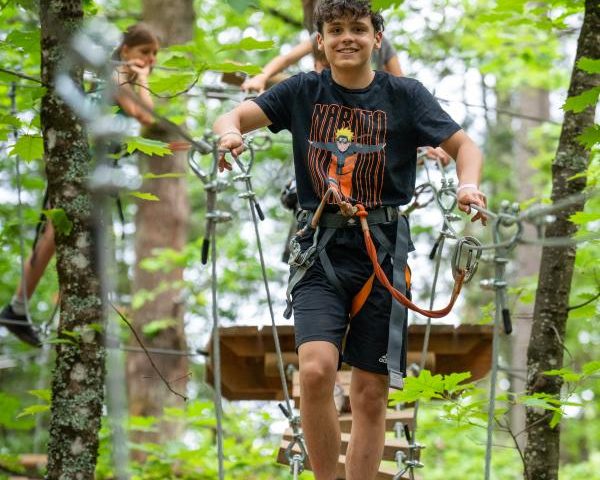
{"type": "Point", "coordinates": [28, 147]}
{"type": "Point", "coordinates": [155, 327]}
{"type": "Point", "coordinates": [147, 146]}
{"type": "Point", "coordinates": [250, 449]}
{"type": "Point", "coordinates": [248, 43]}
{"type": "Point", "coordinates": [590, 136]}
{"type": "Point", "coordinates": [589, 65]}
{"type": "Point", "coordinates": [144, 196]}
{"type": "Point", "coordinates": [580, 102]}
{"type": "Point", "coordinates": [59, 219]}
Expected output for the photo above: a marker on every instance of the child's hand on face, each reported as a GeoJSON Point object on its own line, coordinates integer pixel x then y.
{"type": "Point", "coordinates": [139, 69]}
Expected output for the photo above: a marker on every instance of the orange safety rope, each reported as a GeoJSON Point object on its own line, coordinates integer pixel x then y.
{"type": "Point", "coordinates": [362, 214]}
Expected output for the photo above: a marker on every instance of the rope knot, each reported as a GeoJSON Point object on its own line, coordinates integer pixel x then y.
{"type": "Point", "coordinates": [361, 212]}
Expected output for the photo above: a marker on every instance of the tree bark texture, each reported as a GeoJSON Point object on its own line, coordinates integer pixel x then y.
{"type": "Point", "coordinates": [308, 7]}
{"type": "Point", "coordinates": [173, 21]}
{"type": "Point", "coordinates": [161, 224]}
{"type": "Point", "coordinates": [78, 377]}
{"type": "Point", "coordinates": [545, 350]}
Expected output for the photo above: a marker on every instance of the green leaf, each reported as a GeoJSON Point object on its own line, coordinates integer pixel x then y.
{"type": "Point", "coordinates": [173, 83]}
{"type": "Point", "coordinates": [44, 394]}
{"type": "Point", "coordinates": [152, 176]}
{"type": "Point", "coordinates": [589, 65]}
{"type": "Point", "coordinates": [147, 146]}
{"type": "Point", "coordinates": [28, 147]}
{"type": "Point", "coordinates": [240, 6]}
{"type": "Point", "coordinates": [567, 374]}
{"type": "Point", "coordinates": [383, 4]}
{"type": "Point", "coordinates": [536, 402]}
{"type": "Point", "coordinates": [249, 43]}
{"type": "Point", "coordinates": [451, 381]}
{"type": "Point", "coordinates": [33, 410]}
{"type": "Point", "coordinates": [581, 218]}
{"type": "Point", "coordinates": [28, 41]}
{"type": "Point", "coordinates": [590, 136]}
{"type": "Point", "coordinates": [155, 327]}
{"type": "Point", "coordinates": [59, 219]}
{"type": "Point", "coordinates": [144, 196]}
{"type": "Point", "coordinates": [556, 418]}
{"type": "Point", "coordinates": [580, 102]}
{"type": "Point", "coordinates": [231, 67]}
{"type": "Point", "coordinates": [591, 368]}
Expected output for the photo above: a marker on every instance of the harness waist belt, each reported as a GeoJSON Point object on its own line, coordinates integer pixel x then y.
{"type": "Point", "coordinates": [337, 220]}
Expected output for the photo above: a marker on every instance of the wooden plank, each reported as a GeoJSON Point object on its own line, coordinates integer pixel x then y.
{"type": "Point", "coordinates": [249, 356]}
{"type": "Point", "coordinates": [391, 417]}
{"type": "Point", "coordinates": [391, 446]}
{"type": "Point", "coordinates": [33, 460]}
{"type": "Point", "coordinates": [272, 366]}
{"type": "Point", "coordinates": [386, 472]}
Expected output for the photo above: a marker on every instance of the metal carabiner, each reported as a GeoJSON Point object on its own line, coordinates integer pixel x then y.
{"type": "Point", "coordinates": [471, 259]}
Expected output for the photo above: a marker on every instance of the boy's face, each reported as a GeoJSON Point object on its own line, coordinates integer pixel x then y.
{"type": "Point", "coordinates": [348, 42]}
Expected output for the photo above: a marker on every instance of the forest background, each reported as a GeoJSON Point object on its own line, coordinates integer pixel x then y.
{"type": "Point", "coordinates": [503, 69]}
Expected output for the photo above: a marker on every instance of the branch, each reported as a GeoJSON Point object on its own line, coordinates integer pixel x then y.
{"type": "Point", "coordinates": [22, 75]}
{"type": "Point", "coordinates": [158, 95]}
{"type": "Point", "coordinates": [581, 305]}
{"type": "Point", "coordinates": [139, 340]}
{"type": "Point", "coordinates": [507, 428]}
{"type": "Point", "coordinates": [277, 14]}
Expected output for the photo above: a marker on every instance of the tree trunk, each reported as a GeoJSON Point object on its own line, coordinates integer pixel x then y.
{"type": "Point", "coordinates": [545, 350]}
{"type": "Point", "coordinates": [78, 377]}
{"type": "Point", "coordinates": [308, 7]}
{"type": "Point", "coordinates": [161, 224]}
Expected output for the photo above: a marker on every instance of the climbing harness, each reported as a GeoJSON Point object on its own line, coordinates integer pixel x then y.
{"type": "Point", "coordinates": [302, 259]}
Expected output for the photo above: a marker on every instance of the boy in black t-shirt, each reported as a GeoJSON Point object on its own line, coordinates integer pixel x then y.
{"type": "Point", "coordinates": [355, 132]}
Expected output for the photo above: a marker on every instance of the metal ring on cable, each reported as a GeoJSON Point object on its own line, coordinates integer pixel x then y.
{"type": "Point", "coordinates": [507, 220]}
{"type": "Point", "coordinates": [447, 192]}
{"type": "Point", "coordinates": [468, 262]}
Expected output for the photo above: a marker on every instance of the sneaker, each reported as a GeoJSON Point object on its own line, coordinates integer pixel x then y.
{"type": "Point", "coordinates": [23, 331]}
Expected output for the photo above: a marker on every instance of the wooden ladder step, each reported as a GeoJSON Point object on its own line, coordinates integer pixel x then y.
{"type": "Point", "coordinates": [391, 446]}
{"type": "Point", "coordinates": [391, 417]}
{"type": "Point", "coordinates": [386, 472]}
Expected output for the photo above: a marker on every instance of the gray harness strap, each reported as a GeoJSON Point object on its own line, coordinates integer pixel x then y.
{"type": "Point", "coordinates": [396, 353]}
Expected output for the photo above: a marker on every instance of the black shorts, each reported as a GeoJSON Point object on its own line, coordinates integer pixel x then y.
{"type": "Point", "coordinates": [321, 312]}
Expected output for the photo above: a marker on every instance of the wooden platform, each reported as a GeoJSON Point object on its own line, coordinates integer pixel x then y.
{"type": "Point", "coordinates": [249, 362]}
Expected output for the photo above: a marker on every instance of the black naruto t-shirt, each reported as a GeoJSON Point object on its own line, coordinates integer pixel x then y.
{"type": "Point", "coordinates": [361, 142]}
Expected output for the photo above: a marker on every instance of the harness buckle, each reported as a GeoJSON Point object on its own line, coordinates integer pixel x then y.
{"type": "Point", "coordinates": [299, 258]}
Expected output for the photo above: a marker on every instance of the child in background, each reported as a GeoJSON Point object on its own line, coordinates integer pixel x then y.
{"type": "Point", "coordinates": [135, 57]}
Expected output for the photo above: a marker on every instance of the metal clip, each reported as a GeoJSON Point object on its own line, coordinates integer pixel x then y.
{"type": "Point", "coordinates": [466, 262]}
{"type": "Point", "coordinates": [299, 258]}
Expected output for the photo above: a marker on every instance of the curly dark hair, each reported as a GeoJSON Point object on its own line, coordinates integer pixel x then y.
{"type": "Point", "coordinates": [330, 10]}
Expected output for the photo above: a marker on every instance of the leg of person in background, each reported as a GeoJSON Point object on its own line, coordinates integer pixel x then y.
{"type": "Point", "coordinates": [368, 401]}
{"type": "Point", "coordinates": [318, 366]}
{"type": "Point", "coordinates": [34, 269]}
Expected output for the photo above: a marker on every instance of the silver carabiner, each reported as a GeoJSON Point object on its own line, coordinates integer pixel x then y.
{"type": "Point", "coordinates": [466, 259]}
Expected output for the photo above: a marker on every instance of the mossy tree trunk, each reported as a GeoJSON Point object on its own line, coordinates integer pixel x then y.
{"type": "Point", "coordinates": [160, 225]}
{"type": "Point", "coordinates": [545, 350]}
{"type": "Point", "coordinates": [78, 376]}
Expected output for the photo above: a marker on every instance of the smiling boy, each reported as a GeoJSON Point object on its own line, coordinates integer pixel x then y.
{"type": "Point", "coordinates": [386, 118]}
